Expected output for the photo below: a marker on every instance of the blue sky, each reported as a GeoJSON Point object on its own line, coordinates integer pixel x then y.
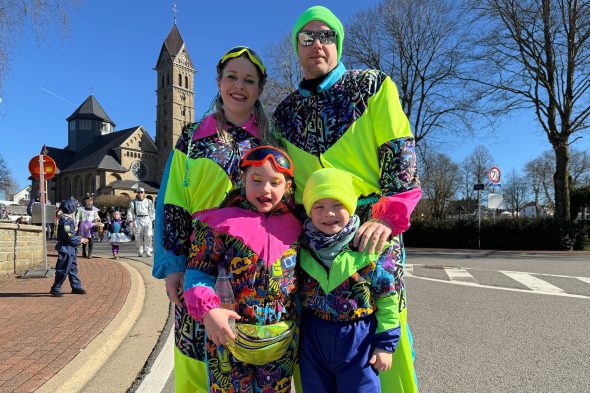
{"type": "Point", "coordinates": [112, 48]}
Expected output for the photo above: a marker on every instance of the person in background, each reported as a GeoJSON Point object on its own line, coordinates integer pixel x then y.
{"type": "Point", "coordinates": [117, 233]}
{"type": "Point", "coordinates": [67, 246]}
{"type": "Point", "coordinates": [201, 170]}
{"type": "Point", "coordinates": [353, 120]}
{"type": "Point", "coordinates": [88, 220]}
{"type": "Point", "coordinates": [140, 216]}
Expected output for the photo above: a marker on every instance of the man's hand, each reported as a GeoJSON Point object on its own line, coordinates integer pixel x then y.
{"type": "Point", "coordinates": [217, 326]}
{"type": "Point", "coordinates": [381, 360]}
{"type": "Point", "coordinates": [174, 286]}
{"type": "Point", "coordinates": [371, 236]}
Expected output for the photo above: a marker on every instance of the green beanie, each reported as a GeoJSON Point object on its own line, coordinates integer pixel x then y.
{"type": "Point", "coordinates": [325, 15]}
{"type": "Point", "coordinates": [329, 183]}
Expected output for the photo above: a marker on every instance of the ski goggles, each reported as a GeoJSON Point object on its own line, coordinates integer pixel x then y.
{"type": "Point", "coordinates": [239, 51]}
{"type": "Point", "coordinates": [307, 37]}
{"type": "Point", "coordinates": [257, 156]}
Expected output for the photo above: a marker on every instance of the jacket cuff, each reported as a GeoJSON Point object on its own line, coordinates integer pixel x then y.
{"type": "Point", "coordinates": [199, 301]}
{"type": "Point", "coordinates": [387, 340]}
{"type": "Point", "coordinates": [395, 210]}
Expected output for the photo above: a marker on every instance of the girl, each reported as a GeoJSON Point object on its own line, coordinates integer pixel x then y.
{"type": "Point", "coordinates": [88, 220]}
{"type": "Point", "coordinates": [251, 241]}
{"type": "Point", "coordinates": [117, 235]}
{"type": "Point", "coordinates": [200, 171]}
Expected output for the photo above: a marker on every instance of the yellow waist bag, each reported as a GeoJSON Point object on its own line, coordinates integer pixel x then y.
{"type": "Point", "coordinates": [259, 345]}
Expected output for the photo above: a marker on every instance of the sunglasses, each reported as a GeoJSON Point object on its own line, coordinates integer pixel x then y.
{"type": "Point", "coordinates": [257, 156]}
{"type": "Point", "coordinates": [239, 51]}
{"type": "Point", "coordinates": [307, 37]}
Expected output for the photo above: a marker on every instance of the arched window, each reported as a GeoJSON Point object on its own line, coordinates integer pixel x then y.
{"type": "Point", "coordinates": [179, 80]}
{"type": "Point", "coordinates": [186, 82]}
{"type": "Point", "coordinates": [167, 81]}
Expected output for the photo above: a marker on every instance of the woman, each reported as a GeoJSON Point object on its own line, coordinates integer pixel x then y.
{"type": "Point", "coordinates": [201, 170]}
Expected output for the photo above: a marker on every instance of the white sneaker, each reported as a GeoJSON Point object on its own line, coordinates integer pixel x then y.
{"type": "Point", "coordinates": [148, 254]}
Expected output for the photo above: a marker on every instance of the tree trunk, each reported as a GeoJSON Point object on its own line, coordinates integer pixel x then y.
{"type": "Point", "coordinates": [561, 181]}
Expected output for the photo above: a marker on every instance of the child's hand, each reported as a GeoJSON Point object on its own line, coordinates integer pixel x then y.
{"type": "Point", "coordinates": [217, 326]}
{"type": "Point", "coordinates": [84, 240]}
{"type": "Point", "coordinates": [381, 360]}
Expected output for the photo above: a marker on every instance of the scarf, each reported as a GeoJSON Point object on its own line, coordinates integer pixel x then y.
{"type": "Point", "coordinates": [326, 247]}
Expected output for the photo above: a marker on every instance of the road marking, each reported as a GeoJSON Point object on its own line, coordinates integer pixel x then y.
{"type": "Point", "coordinates": [532, 282]}
{"type": "Point", "coordinates": [409, 269]}
{"type": "Point", "coordinates": [473, 284]}
{"type": "Point", "coordinates": [585, 279]}
{"type": "Point", "coordinates": [160, 371]}
{"type": "Point", "coordinates": [458, 274]}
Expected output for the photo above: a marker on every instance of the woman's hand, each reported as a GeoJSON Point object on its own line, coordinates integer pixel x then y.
{"type": "Point", "coordinates": [217, 326]}
{"type": "Point", "coordinates": [174, 286]}
{"type": "Point", "coordinates": [380, 360]}
{"type": "Point", "coordinates": [372, 235]}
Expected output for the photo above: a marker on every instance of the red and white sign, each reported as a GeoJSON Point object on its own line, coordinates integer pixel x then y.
{"type": "Point", "coordinates": [495, 174]}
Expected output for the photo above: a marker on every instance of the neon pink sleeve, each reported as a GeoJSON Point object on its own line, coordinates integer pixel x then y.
{"type": "Point", "coordinates": [199, 300]}
{"type": "Point", "coordinates": [395, 210]}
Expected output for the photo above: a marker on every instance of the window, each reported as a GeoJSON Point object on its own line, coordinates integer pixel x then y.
{"type": "Point", "coordinates": [179, 80]}
{"type": "Point", "coordinates": [186, 82]}
{"type": "Point", "coordinates": [162, 80]}
{"type": "Point", "coordinates": [71, 126]}
{"type": "Point", "coordinates": [85, 124]}
{"type": "Point", "coordinates": [167, 79]}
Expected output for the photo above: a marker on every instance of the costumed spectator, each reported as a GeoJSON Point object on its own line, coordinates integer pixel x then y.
{"type": "Point", "coordinates": [104, 219]}
{"type": "Point", "coordinates": [4, 215]}
{"type": "Point", "coordinates": [88, 221]}
{"type": "Point", "coordinates": [140, 215]}
{"type": "Point", "coordinates": [353, 120]}
{"type": "Point", "coordinates": [350, 324]}
{"type": "Point", "coordinates": [248, 249]}
{"type": "Point", "coordinates": [32, 201]}
{"type": "Point", "coordinates": [67, 245]}
{"type": "Point", "coordinates": [117, 233]}
{"type": "Point", "coordinates": [201, 169]}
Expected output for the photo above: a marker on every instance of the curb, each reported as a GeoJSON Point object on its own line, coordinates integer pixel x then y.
{"type": "Point", "coordinates": [89, 361]}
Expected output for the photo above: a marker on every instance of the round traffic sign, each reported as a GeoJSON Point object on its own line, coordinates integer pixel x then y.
{"type": "Point", "coordinates": [495, 174]}
{"type": "Point", "coordinates": [49, 167]}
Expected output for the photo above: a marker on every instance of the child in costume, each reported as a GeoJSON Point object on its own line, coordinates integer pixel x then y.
{"type": "Point", "coordinates": [117, 235]}
{"type": "Point", "coordinates": [252, 240]}
{"type": "Point", "coordinates": [350, 326]}
{"type": "Point", "coordinates": [88, 220]}
{"type": "Point", "coordinates": [67, 244]}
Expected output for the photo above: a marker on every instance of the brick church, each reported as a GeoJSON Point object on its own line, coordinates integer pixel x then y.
{"type": "Point", "coordinates": [100, 160]}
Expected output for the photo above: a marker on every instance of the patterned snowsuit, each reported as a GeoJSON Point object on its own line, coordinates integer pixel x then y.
{"type": "Point", "coordinates": [200, 171]}
{"type": "Point", "coordinates": [260, 253]}
{"type": "Point", "coordinates": [355, 123]}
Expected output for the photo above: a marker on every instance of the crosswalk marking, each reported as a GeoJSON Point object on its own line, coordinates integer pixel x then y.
{"type": "Point", "coordinates": [532, 282]}
{"type": "Point", "coordinates": [458, 274]}
{"type": "Point", "coordinates": [585, 279]}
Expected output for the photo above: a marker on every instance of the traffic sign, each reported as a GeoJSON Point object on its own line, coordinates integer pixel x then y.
{"type": "Point", "coordinates": [49, 167]}
{"type": "Point", "coordinates": [495, 174]}
{"type": "Point", "coordinates": [478, 187]}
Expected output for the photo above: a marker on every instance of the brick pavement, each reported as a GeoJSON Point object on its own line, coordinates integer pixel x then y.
{"type": "Point", "coordinates": [40, 334]}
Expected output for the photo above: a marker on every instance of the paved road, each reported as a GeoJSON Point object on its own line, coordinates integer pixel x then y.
{"type": "Point", "coordinates": [500, 322]}
{"type": "Point", "coordinates": [487, 321]}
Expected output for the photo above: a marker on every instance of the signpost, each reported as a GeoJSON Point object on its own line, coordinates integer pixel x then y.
{"type": "Point", "coordinates": [478, 187]}
{"type": "Point", "coordinates": [42, 167]}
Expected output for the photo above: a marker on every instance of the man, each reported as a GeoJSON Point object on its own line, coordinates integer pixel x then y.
{"type": "Point", "coordinates": [353, 120]}
{"type": "Point", "coordinates": [140, 215]}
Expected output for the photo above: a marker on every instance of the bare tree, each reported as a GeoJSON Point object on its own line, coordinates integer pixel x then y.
{"type": "Point", "coordinates": [579, 168]}
{"type": "Point", "coordinates": [284, 72]}
{"type": "Point", "coordinates": [440, 178]}
{"type": "Point", "coordinates": [535, 54]}
{"type": "Point", "coordinates": [8, 185]}
{"type": "Point", "coordinates": [420, 44]}
{"type": "Point", "coordinates": [515, 193]}
{"type": "Point", "coordinates": [39, 15]}
{"type": "Point", "coordinates": [474, 170]}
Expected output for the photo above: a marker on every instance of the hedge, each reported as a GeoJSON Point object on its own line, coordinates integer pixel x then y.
{"type": "Point", "coordinates": [502, 234]}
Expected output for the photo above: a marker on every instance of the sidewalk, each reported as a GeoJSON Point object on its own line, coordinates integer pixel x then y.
{"type": "Point", "coordinates": [60, 344]}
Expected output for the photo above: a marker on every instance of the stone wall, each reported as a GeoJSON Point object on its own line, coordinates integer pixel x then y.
{"type": "Point", "coordinates": [21, 247]}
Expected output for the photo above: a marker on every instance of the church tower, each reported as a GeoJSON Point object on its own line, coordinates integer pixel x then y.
{"type": "Point", "coordinates": [175, 95]}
